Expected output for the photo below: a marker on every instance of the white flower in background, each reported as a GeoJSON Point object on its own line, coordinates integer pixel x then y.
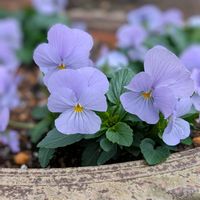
{"type": "Point", "coordinates": [112, 59]}
{"type": "Point", "coordinates": [194, 21]}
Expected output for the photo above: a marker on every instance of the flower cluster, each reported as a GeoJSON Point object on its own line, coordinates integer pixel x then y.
{"type": "Point", "coordinates": [153, 102]}
{"type": "Point", "coordinates": [164, 82]}
{"type": "Point", "coordinates": [77, 89]}
{"type": "Point", "coordinates": [10, 42]}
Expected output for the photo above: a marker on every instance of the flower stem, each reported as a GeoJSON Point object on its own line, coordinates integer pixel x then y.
{"type": "Point", "coordinates": [21, 125]}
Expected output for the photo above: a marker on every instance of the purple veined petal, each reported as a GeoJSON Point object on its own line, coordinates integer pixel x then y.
{"type": "Point", "coordinates": [13, 141]}
{"type": "Point", "coordinates": [164, 100]}
{"type": "Point", "coordinates": [92, 99]}
{"type": "Point", "coordinates": [191, 57]}
{"type": "Point", "coordinates": [173, 17]}
{"type": "Point", "coordinates": [131, 36]}
{"type": "Point", "coordinates": [95, 79]}
{"type": "Point", "coordinates": [4, 118]}
{"type": "Point", "coordinates": [46, 58]}
{"type": "Point", "coordinates": [195, 76]}
{"type": "Point", "coordinates": [196, 101]}
{"type": "Point", "coordinates": [67, 78]}
{"type": "Point", "coordinates": [135, 104]}
{"type": "Point", "coordinates": [167, 70]}
{"type": "Point", "coordinates": [141, 82]}
{"type": "Point", "coordinates": [70, 43]}
{"type": "Point", "coordinates": [70, 122]}
{"type": "Point", "coordinates": [62, 39]}
{"type": "Point", "coordinates": [61, 99]}
{"type": "Point", "coordinates": [176, 130]}
{"type": "Point", "coordinates": [183, 107]}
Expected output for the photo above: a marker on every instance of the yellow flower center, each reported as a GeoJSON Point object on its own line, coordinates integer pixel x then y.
{"type": "Point", "coordinates": [62, 66]}
{"type": "Point", "coordinates": [78, 108]}
{"type": "Point", "coordinates": [146, 95]}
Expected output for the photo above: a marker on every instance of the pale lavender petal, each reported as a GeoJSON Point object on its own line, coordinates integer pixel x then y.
{"type": "Point", "coordinates": [196, 101]}
{"type": "Point", "coordinates": [167, 70]}
{"type": "Point", "coordinates": [183, 107]}
{"type": "Point", "coordinates": [49, 7]}
{"type": "Point", "coordinates": [70, 122]}
{"type": "Point", "coordinates": [141, 82]}
{"type": "Point", "coordinates": [13, 141]}
{"type": "Point", "coordinates": [173, 17]}
{"type": "Point", "coordinates": [177, 130]}
{"type": "Point", "coordinates": [8, 58]}
{"type": "Point", "coordinates": [92, 99]}
{"type": "Point", "coordinates": [61, 99]}
{"type": "Point", "coordinates": [95, 79]}
{"type": "Point", "coordinates": [191, 57]}
{"type": "Point", "coordinates": [149, 16]}
{"type": "Point", "coordinates": [4, 118]}
{"type": "Point", "coordinates": [135, 104]}
{"type": "Point", "coordinates": [46, 58]}
{"type": "Point", "coordinates": [195, 76]}
{"type": "Point", "coordinates": [67, 78]}
{"type": "Point", "coordinates": [10, 33]}
{"type": "Point", "coordinates": [69, 43]}
{"type": "Point", "coordinates": [164, 100]}
{"type": "Point", "coordinates": [131, 36]}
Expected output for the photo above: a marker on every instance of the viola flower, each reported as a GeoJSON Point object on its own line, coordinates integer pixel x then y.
{"type": "Point", "coordinates": [191, 57]}
{"type": "Point", "coordinates": [149, 16]}
{"type": "Point", "coordinates": [137, 54]}
{"type": "Point", "coordinates": [8, 58]}
{"type": "Point", "coordinates": [173, 17]}
{"type": "Point", "coordinates": [131, 36]}
{"type": "Point", "coordinates": [76, 94]}
{"type": "Point", "coordinates": [4, 118]}
{"type": "Point", "coordinates": [10, 33]}
{"type": "Point", "coordinates": [8, 96]}
{"type": "Point", "coordinates": [49, 7]}
{"type": "Point", "coordinates": [113, 59]}
{"type": "Point", "coordinates": [165, 79]}
{"type": "Point", "coordinates": [66, 48]}
{"type": "Point", "coordinates": [11, 139]}
{"type": "Point", "coordinates": [177, 128]}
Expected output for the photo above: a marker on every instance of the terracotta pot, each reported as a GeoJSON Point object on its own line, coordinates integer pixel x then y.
{"type": "Point", "coordinates": [177, 178]}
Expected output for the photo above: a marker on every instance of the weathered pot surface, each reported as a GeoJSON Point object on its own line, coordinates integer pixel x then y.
{"type": "Point", "coordinates": [177, 178]}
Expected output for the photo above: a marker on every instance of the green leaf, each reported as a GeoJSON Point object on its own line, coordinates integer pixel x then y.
{"type": "Point", "coordinates": [91, 154]}
{"type": "Point", "coordinates": [106, 156]}
{"type": "Point", "coordinates": [153, 155]}
{"type": "Point", "coordinates": [40, 112]}
{"type": "Point", "coordinates": [120, 79]}
{"type": "Point", "coordinates": [45, 155]}
{"type": "Point", "coordinates": [121, 134]}
{"type": "Point", "coordinates": [40, 129]}
{"type": "Point", "coordinates": [106, 145]}
{"type": "Point", "coordinates": [55, 139]}
{"type": "Point", "coordinates": [187, 141]}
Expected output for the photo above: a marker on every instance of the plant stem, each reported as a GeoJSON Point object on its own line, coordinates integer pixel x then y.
{"type": "Point", "coordinates": [22, 125]}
